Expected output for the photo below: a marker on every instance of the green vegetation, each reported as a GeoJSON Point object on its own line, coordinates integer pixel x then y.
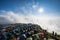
{"type": "Point", "coordinates": [58, 36]}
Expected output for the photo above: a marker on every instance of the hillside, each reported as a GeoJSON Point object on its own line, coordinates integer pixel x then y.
{"type": "Point", "coordinates": [20, 28]}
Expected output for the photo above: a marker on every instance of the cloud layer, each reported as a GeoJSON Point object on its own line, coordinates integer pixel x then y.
{"type": "Point", "coordinates": [49, 23]}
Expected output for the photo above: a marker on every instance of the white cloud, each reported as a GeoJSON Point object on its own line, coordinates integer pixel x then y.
{"type": "Point", "coordinates": [34, 6]}
{"type": "Point", "coordinates": [2, 11]}
{"type": "Point", "coordinates": [49, 23]}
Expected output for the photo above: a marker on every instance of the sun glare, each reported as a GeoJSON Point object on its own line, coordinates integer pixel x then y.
{"type": "Point", "coordinates": [40, 10]}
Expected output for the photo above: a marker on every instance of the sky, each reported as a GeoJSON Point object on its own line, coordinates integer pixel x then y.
{"type": "Point", "coordinates": [46, 13]}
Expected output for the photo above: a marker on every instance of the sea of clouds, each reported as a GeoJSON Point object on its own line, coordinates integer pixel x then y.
{"type": "Point", "coordinates": [48, 23]}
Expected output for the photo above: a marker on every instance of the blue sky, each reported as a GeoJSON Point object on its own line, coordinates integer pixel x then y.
{"type": "Point", "coordinates": [51, 7]}
{"type": "Point", "coordinates": [46, 13]}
